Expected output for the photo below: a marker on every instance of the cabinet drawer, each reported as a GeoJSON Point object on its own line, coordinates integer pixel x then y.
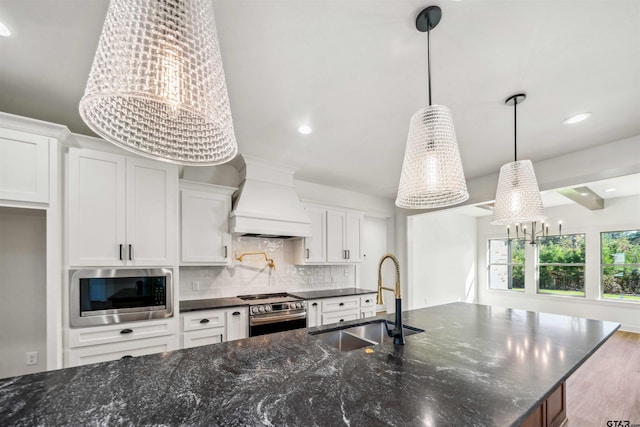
{"type": "Point", "coordinates": [338, 304]}
{"type": "Point", "coordinates": [108, 352]}
{"type": "Point", "coordinates": [340, 316]}
{"type": "Point", "coordinates": [367, 312]}
{"type": "Point", "coordinates": [121, 332]}
{"type": "Point", "coordinates": [203, 337]}
{"type": "Point", "coordinates": [368, 300]}
{"type": "Point", "coordinates": [203, 320]}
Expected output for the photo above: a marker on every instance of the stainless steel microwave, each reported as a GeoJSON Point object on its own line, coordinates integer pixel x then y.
{"type": "Point", "coordinates": [105, 296]}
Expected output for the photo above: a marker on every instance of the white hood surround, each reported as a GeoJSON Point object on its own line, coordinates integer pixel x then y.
{"type": "Point", "coordinates": [266, 204]}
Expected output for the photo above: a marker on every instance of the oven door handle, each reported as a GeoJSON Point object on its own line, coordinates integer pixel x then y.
{"type": "Point", "coordinates": [254, 321]}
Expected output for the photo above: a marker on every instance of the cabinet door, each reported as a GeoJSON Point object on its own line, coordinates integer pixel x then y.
{"type": "Point", "coordinates": [203, 337]}
{"type": "Point", "coordinates": [96, 202]}
{"type": "Point", "coordinates": [204, 227]}
{"type": "Point", "coordinates": [314, 314]}
{"type": "Point", "coordinates": [352, 237]}
{"type": "Point", "coordinates": [314, 246]}
{"type": "Point", "coordinates": [237, 323]}
{"type": "Point", "coordinates": [108, 352]}
{"type": "Point", "coordinates": [151, 232]}
{"type": "Point", "coordinates": [340, 316]}
{"type": "Point", "coordinates": [24, 166]}
{"type": "Point", "coordinates": [336, 227]}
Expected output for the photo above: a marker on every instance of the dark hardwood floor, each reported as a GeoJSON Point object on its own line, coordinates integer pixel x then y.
{"type": "Point", "coordinates": [607, 386]}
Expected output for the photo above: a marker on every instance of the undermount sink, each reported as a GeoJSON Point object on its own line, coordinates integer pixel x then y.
{"type": "Point", "coordinates": [364, 335]}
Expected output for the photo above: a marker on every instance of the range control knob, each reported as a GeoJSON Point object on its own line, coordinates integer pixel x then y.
{"type": "Point", "coordinates": [261, 308]}
{"type": "Point", "coordinates": [254, 309]}
{"type": "Point", "coordinates": [298, 305]}
{"type": "Point", "coordinates": [268, 308]}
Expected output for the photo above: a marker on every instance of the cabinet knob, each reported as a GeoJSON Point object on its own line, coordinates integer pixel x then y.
{"type": "Point", "coordinates": [341, 304]}
{"type": "Point", "coordinates": [126, 331]}
{"type": "Point", "coordinates": [367, 301]}
{"type": "Point", "coordinates": [342, 320]}
{"type": "Point", "coordinates": [204, 321]}
{"type": "Point", "coordinates": [236, 313]}
{"type": "Point", "coordinates": [126, 356]}
{"type": "Point", "coordinates": [314, 304]}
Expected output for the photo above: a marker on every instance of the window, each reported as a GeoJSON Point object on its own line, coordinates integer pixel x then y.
{"type": "Point", "coordinates": [561, 265]}
{"type": "Point", "coordinates": [620, 262]}
{"type": "Point", "coordinates": [506, 264]}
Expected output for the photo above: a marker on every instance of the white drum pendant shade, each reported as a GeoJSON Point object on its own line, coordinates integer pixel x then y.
{"type": "Point", "coordinates": [432, 173]}
{"type": "Point", "coordinates": [517, 197]}
{"type": "Point", "coordinates": [157, 85]}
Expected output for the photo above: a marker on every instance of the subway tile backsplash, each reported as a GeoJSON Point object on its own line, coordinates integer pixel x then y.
{"type": "Point", "coordinates": [252, 275]}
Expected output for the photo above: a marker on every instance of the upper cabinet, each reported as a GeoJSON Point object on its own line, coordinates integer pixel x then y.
{"type": "Point", "coordinates": [121, 210]}
{"type": "Point", "coordinates": [336, 236]}
{"type": "Point", "coordinates": [24, 166]}
{"type": "Point", "coordinates": [204, 224]}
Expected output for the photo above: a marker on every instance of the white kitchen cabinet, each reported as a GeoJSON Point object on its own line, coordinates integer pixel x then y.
{"type": "Point", "coordinates": [121, 210]}
{"type": "Point", "coordinates": [24, 166]}
{"type": "Point", "coordinates": [214, 326]}
{"type": "Point", "coordinates": [340, 309]}
{"type": "Point", "coordinates": [204, 224]}
{"type": "Point", "coordinates": [343, 236]}
{"type": "Point", "coordinates": [111, 342]}
{"type": "Point", "coordinates": [314, 313]}
{"type": "Point", "coordinates": [315, 246]}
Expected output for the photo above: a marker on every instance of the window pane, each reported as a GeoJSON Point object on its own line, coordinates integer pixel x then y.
{"type": "Point", "coordinates": [506, 264]}
{"type": "Point", "coordinates": [517, 251]}
{"type": "Point", "coordinates": [561, 280]}
{"type": "Point", "coordinates": [499, 277]}
{"type": "Point", "coordinates": [568, 249]}
{"type": "Point", "coordinates": [517, 278]}
{"type": "Point", "coordinates": [620, 265]}
{"type": "Point", "coordinates": [498, 252]}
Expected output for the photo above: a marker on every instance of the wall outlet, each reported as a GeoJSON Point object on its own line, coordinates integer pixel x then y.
{"type": "Point", "coordinates": [195, 286]}
{"type": "Point", "coordinates": [32, 358]}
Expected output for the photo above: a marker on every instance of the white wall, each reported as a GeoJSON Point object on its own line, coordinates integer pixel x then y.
{"type": "Point", "coordinates": [442, 253]}
{"type": "Point", "coordinates": [618, 214]}
{"type": "Point", "coordinates": [23, 287]}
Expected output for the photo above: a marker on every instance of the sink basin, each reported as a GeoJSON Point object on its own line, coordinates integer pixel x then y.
{"type": "Point", "coordinates": [353, 337]}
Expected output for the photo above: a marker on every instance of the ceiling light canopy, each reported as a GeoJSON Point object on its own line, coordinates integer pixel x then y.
{"type": "Point", "coordinates": [517, 197]}
{"type": "Point", "coordinates": [576, 118]}
{"type": "Point", "coordinates": [305, 129]}
{"type": "Point", "coordinates": [157, 86]}
{"type": "Point", "coordinates": [432, 174]}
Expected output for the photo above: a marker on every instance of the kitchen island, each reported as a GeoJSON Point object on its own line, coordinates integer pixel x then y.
{"type": "Point", "coordinates": [472, 365]}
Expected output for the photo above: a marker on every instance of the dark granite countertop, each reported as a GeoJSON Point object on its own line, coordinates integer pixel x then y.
{"type": "Point", "coordinates": [331, 293]}
{"type": "Point", "coordinates": [473, 365]}
{"type": "Point", "coordinates": [210, 304]}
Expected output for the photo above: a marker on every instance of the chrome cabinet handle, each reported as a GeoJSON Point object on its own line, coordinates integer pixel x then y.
{"type": "Point", "coordinates": [126, 331]}
{"type": "Point", "coordinates": [130, 252]}
{"type": "Point", "coordinates": [307, 253]}
{"type": "Point", "coordinates": [236, 313]}
{"type": "Point", "coordinates": [120, 251]}
{"type": "Point", "coordinates": [204, 321]}
{"type": "Point", "coordinates": [225, 251]}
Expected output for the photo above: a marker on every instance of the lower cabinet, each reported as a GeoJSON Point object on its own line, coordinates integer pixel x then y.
{"type": "Point", "coordinates": [213, 326]}
{"type": "Point", "coordinates": [551, 413]}
{"type": "Point", "coordinates": [112, 342]}
{"type": "Point", "coordinates": [340, 309]}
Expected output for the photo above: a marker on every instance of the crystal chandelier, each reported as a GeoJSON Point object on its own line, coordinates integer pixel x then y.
{"type": "Point", "coordinates": [432, 174]}
{"type": "Point", "coordinates": [157, 85]}
{"type": "Point", "coordinates": [517, 197]}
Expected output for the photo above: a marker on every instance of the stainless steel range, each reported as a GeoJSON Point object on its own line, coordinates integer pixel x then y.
{"type": "Point", "coordinates": [270, 313]}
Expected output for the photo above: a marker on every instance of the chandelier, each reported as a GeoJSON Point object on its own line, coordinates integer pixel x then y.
{"type": "Point", "coordinates": [432, 174]}
{"type": "Point", "coordinates": [157, 86]}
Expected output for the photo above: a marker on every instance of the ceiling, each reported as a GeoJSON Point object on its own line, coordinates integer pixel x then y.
{"type": "Point", "coordinates": [355, 71]}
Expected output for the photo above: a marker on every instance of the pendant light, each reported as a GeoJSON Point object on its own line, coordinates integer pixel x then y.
{"type": "Point", "coordinates": [157, 86]}
{"type": "Point", "coordinates": [432, 174]}
{"type": "Point", "coordinates": [517, 197]}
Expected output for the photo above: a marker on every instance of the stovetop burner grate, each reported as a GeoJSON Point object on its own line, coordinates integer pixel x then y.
{"type": "Point", "coordinates": [262, 296]}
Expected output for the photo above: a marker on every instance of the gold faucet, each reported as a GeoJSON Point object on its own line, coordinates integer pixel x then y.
{"type": "Point", "coordinates": [270, 261]}
{"type": "Point", "coordinates": [397, 332]}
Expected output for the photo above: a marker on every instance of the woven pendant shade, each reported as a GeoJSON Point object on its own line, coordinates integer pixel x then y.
{"type": "Point", "coordinates": [157, 86]}
{"type": "Point", "coordinates": [517, 197]}
{"type": "Point", "coordinates": [432, 173]}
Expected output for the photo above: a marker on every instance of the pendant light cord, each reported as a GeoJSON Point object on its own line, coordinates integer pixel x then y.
{"type": "Point", "coordinates": [429, 60]}
{"type": "Point", "coordinates": [515, 131]}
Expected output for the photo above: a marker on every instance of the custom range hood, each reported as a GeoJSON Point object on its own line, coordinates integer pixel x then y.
{"type": "Point", "coordinates": [266, 204]}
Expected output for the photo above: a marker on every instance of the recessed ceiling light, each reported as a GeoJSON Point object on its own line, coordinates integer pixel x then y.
{"type": "Point", "coordinates": [584, 194]}
{"type": "Point", "coordinates": [4, 31]}
{"type": "Point", "coordinates": [576, 118]}
{"type": "Point", "coordinates": [609, 190]}
{"type": "Point", "coordinates": [304, 129]}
